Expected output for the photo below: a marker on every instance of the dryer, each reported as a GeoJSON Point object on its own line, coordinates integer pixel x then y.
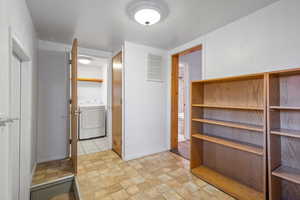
{"type": "Point", "coordinates": [92, 121]}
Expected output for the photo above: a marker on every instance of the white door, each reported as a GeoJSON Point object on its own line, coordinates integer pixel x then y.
{"type": "Point", "coordinates": [15, 131]}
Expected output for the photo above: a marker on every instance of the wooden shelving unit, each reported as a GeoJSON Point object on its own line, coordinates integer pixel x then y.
{"type": "Point", "coordinates": [90, 80]}
{"type": "Point", "coordinates": [284, 134]}
{"type": "Point", "coordinates": [228, 125]}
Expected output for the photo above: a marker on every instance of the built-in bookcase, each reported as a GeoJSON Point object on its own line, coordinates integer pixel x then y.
{"type": "Point", "coordinates": [284, 134]}
{"type": "Point", "coordinates": [228, 129]}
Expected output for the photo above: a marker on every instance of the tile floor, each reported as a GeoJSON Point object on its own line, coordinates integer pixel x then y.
{"type": "Point", "coordinates": [52, 170]}
{"type": "Point", "coordinates": [163, 176]}
{"type": "Point", "coordinates": [66, 196]}
{"type": "Point", "coordinates": [92, 146]}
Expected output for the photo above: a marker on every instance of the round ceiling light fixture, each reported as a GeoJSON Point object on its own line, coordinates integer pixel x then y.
{"type": "Point", "coordinates": [85, 60]}
{"type": "Point", "coordinates": [147, 12]}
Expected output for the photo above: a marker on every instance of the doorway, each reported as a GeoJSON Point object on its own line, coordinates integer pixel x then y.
{"type": "Point", "coordinates": [186, 67]}
{"type": "Point", "coordinates": [93, 103]}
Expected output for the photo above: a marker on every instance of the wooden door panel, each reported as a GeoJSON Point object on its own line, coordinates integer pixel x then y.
{"type": "Point", "coordinates": [74, 106]}
{"type": "Point", "coordinates": [117, 104]}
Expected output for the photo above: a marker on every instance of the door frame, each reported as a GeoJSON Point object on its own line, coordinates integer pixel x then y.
{"type": "Point", "coordinates": [121, 50]}
{"type": "Point", "coordinates": [16, 48]}
{"type": "Point", "coordinates": [74, 115]}
{"type": "Point", "coordinates": [174, 93]}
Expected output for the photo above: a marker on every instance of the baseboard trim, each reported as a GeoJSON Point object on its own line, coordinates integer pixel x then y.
{"type": "Point", "coordinates": [52, 158]}
{"type": "Point", "coordinates": [33, 171]}
{"type": "Point", "coordinates": [76, 189]}
{"type": "Point", "coordinates": [140, 155]}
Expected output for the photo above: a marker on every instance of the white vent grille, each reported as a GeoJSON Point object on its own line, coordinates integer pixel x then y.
{"type": "Point", "coordinates": [154, 70]}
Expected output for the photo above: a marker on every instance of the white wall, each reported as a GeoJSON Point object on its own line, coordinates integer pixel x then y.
{"type": "Point", "coordinates": [89, 91]}
{"type": "Point", "coordinates": [14, 14]}
{"type": "Point", "coordinates": [193, 62]}
{"type": "Point", "coordinates": [52, 105]}
{"type": "Point", "coordinates": [144, 104]}
{"type": "Point", "coordinates": [266, 40]}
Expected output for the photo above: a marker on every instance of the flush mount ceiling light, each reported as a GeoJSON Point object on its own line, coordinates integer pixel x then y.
{"type": "Point", "coordinates": [147, 12]}
{"type": "Point", "coordinates": [85, 60]}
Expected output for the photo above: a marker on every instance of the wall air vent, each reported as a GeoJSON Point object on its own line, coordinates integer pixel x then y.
{"type": "Point", "coordinates": [154, 69]}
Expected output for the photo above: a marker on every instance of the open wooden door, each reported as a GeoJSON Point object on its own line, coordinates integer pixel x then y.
{"type": "Point", "coordinates": [74, 106]}
{"type": "Point", "coordinates": [117, 103]}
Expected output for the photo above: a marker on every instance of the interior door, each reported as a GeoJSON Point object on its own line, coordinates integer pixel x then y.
{"type": "Point", "coordinates": [74, 105]}
{"type": "Point", "coordinates": [117, 103]}
{"type": "Point", "coordinates": [15, 131]}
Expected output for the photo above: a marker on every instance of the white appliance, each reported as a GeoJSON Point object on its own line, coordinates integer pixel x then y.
{"type": "Point", "coordinates": [92, 121]}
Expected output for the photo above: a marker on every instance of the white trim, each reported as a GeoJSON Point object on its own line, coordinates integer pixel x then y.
{"type": "Point", "coordinates": [17, 48]}
{"type": "Point", "coordinates": [52, 158]}
{"type": "Point", "coordinates": [53, 46]}
{"type": "Point", "coordinates": [123, 102]}
{"type": "Point", "coordinates": [33, 171]}
{"type": "Point", "coordinates": [143, 154]}
{"type": "Point", "coordinates": [116, 52]}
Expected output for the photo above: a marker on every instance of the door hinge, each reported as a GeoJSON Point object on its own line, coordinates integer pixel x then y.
{"type": "Point", "coordinates": [70, 101]}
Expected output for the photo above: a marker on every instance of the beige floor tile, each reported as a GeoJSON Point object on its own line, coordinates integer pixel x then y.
{"type": "Point", "coordinates": [120, 195]}
{"type": "Point", "coordinates": [132, 190]}
{"type": "Point", "coordinates": [164, 176]}
{"type": "Point", "coordinates": [172, 195]}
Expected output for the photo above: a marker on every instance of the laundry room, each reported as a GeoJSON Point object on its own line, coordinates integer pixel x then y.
{"type": "Point", "coordinates": [92, 103]}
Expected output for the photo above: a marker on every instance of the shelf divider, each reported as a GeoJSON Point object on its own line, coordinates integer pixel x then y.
{"type": "Point", "coordinates": [231, 144]}
{"type": "Point", "coordinates": [249, 127]}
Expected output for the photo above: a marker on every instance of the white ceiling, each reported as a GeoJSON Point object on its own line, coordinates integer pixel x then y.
{"type": "Point", "coordinates": [104, 24]}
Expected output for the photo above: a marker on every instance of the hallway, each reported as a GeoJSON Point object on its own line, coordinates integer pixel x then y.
{"type": "Point", "coordinates": [163, 176]}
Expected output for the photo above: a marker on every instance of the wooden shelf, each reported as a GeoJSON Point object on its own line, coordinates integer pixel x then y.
{"type": "Point", "coordinates": [230, 186]}
{"type": "Point", "coordinates": [232, 78]}
{"type": "Point", "coordinates": [227, 143]}
{"type": "Point", "coordinates": [249, 127]}
{"type": "Point", "coordinates": [228, 107]}
{"type": "Point", "coordinates": [287, 173]}
{"type": "Point", "coordinates": [286, 132]}
{"type": "Point", "coordinates": [90, 80]}
{"type": "Point", "coordinates": [285, 108]}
